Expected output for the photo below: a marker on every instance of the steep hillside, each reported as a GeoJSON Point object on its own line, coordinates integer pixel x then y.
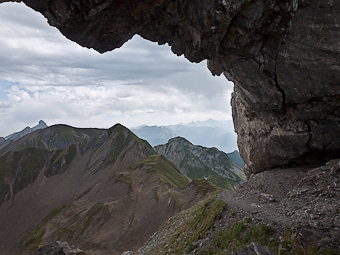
{"type": "Point", "coordinates": [197, 162]}
{"type": "Point", "coordinates": [104, 191]}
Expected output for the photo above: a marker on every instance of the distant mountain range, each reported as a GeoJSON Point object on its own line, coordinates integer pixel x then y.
{"type": "Point", "coordinates": [210, 133]}
{"type": "Point", "coordinates": [17, 135]}
{"type": "Point", "coordinates": [99, 189]}
{"type": "Point", "coordinates": [198, 162]}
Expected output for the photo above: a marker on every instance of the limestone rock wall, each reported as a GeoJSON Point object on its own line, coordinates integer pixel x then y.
{"type": "Point", "coordinates": [282, 55]}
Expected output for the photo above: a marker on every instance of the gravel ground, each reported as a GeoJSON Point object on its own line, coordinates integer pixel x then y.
{"type": "Point", "coordinates": [306, 200]}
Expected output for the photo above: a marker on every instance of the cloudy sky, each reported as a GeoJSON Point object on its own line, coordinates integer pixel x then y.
{"type": "Point", "coordinates": [45, 76]}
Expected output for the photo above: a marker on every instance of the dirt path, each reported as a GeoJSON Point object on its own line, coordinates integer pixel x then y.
{"type": "Point", "coordinates": [305, 199]}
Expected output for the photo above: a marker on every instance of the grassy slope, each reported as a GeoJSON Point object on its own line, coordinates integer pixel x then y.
{"type": "Point", "coordinates": [180, 232]}
{"type": "Point", "coordinates": [194, 231]}
{"type": "Point", "coordinates": [20, 167]}
{"type": "Point", "coordinates": [81, 219]}
{"type": "Point", "coordinates": [166, 170]}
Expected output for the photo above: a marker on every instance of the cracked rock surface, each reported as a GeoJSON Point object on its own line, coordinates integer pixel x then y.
{"type": "Point", "coordinates": [282, 55]}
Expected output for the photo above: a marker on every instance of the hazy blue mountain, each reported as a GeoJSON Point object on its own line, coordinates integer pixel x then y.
{"type": "Point", "coordinates": [210, 133]}
{"type": "Point", "coordinates": [17, 135]}
{"type": "Point", "coordinates": [154, 134]}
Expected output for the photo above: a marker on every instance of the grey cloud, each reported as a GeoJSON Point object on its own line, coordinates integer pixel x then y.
{"type": "Point", "coordinates": [143, 82]}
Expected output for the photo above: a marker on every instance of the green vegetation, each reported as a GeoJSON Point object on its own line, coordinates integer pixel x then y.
{"type": "Point", "coordinates": [125, 178]}
{"type": "Point", "coordinates": [198, 170]}
{"type": "Point", "coordinates": [238, 236]}
{"type": "Point", "coordinates": [99, 210]}
{"type": "Point", "coordinates": [80, 221]}
{"type": "Point", "coordinates": [61, 160]}
{"type": "Point", "coordinates": [204, 186]}
{"type": "Point", "coordinates": [166, 170]}
{"type": "Point", "coordinates": [72, 135]}
{"type": "Point", "coordinates": [58, 136]}
{"type": "Point", "coordinates": [175, 200]}
{"type": "Point", "coordinates": [218, 180]}
{"type": "Point", "coordinates": [32, 239]}
{"type": "Point", "coordinates": [292, 246]}
{"type": "Point", "coordinates": [242, 233]}
{"type": "Point", "coordinates": [21, 167]}
{"type": "Point", "coordinates": [119, 143]}
{"type": "Point", "coordinates": [122, 140]}
{"type": "Point", "coordinates": [191, 225]}
{"type": "Point", "coordinates": [68, 230]}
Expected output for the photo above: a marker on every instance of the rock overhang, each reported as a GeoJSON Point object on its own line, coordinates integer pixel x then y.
{"type": "Point", "coordinates": [282, 55]}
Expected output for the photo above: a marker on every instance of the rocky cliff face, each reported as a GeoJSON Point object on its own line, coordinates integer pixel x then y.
{"type": "Point", "coordinates": [282, 55]}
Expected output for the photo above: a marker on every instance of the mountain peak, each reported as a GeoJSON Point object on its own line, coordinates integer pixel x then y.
{"type": "Point", "coordinates": [197, 162]}
{"type": "Point", "coordinates": [179, 139]}
{"type": "Point", "coordinates": [118, 128]}
{"type": "Point", "coordinates": [42, 123]}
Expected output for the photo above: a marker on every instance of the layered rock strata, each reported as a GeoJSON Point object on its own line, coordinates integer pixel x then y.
{"type": "Point", "coordinates": [282, 55]}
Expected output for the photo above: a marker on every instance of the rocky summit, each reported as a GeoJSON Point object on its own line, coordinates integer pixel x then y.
{"type": "Point", "coordinates": [198, 162]}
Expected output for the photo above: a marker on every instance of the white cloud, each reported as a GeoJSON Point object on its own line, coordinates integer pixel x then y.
{"type": "Point", "coordinates": [45, 76]}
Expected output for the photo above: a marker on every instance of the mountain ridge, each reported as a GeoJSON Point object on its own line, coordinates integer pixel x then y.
{"type": "Point", "coordinates": [76, 191]}
{"type": "Point", "coordinates": [196, 162]}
